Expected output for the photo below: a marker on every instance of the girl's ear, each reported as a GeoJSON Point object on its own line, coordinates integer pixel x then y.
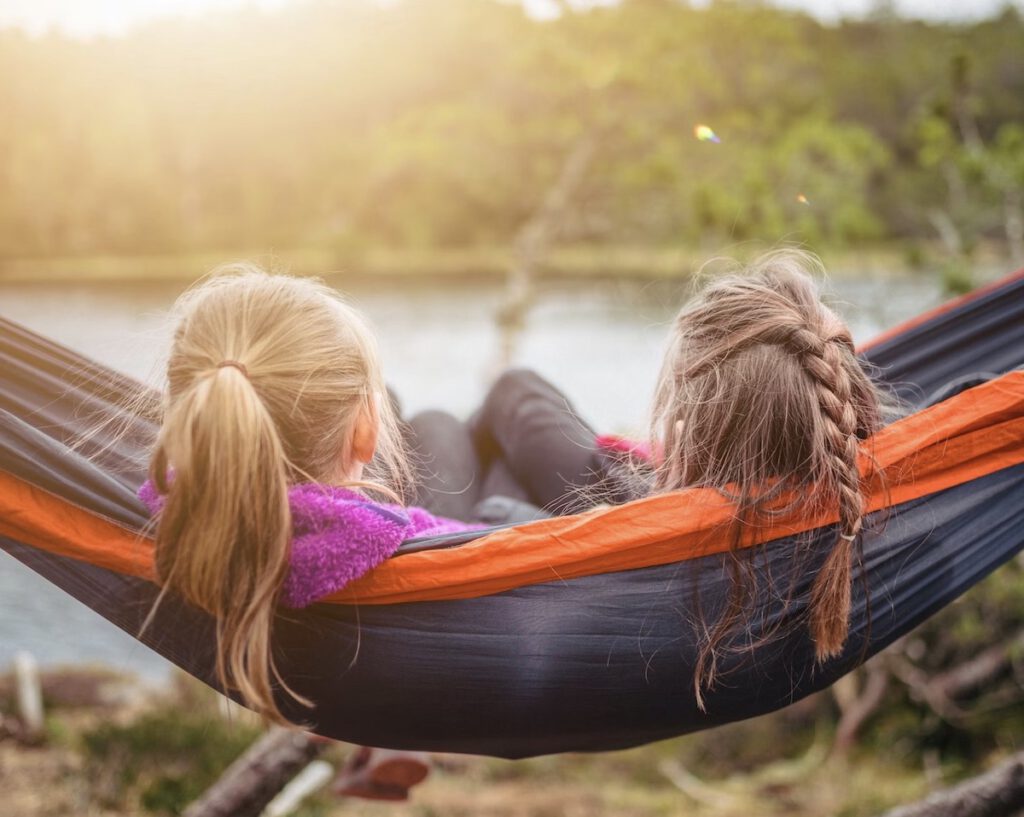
{"type": "Point", "coordinates": [365, 434]}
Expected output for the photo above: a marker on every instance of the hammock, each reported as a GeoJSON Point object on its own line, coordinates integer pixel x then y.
{"type": "Point", "coordinates": [573, 633]}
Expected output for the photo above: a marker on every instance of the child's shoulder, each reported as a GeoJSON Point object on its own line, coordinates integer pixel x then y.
{"type": "Point", "coordinates": [338, 535]}
{"type": "Point", "coordinates": [313, 504]}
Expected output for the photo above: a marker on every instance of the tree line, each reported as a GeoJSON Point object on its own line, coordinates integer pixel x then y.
{"type": "Point", "coordinates": [442, 123]}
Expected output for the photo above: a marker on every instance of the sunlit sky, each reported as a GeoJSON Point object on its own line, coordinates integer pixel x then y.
{"type": "Point", "coordinates": [88, 18]}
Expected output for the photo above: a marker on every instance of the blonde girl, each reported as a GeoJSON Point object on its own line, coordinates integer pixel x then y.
{"type": "Point", "coordinates": [275, 405]}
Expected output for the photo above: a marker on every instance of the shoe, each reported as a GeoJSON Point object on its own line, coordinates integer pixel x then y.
{"type": "Point", "coordinates": [381, 774]}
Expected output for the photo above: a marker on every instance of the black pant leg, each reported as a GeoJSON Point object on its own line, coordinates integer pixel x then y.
{"type": "Point", "coordinates": [448, 474]}
{"type": "Point", "coordinates": [545, 445]}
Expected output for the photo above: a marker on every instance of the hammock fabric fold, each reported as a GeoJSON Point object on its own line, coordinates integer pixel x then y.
{"type": "Point", "coordinates": [573, 633]}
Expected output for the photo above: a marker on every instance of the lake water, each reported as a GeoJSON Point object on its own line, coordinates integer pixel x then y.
{"type": "Point", "coordinates": [599, 341]}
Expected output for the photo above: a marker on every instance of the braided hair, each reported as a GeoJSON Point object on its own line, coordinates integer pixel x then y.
{"type": "Point", "coordinates": [762, 397]}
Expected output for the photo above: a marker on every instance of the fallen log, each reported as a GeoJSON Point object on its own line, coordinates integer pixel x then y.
{"type": "Point", "coordinates": [252, 781]}
{"type": "Point", "coordinates": [997, 793]}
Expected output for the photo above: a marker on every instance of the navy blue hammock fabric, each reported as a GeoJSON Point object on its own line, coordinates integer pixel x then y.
{"type": "Point", "coordinates": [589, 663]}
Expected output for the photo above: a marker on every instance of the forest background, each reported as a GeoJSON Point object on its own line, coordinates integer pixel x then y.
{"type": "Point", "coordinates": [420, 129]}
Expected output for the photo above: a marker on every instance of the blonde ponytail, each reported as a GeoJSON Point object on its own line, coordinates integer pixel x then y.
{"type": "Point", "coordinates": [225, 528]}
{"type": "Point", "coordinates": [266, 377]}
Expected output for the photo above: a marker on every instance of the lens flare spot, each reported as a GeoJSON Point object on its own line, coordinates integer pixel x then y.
{"type": "Point", "coordinates": [705, 134]}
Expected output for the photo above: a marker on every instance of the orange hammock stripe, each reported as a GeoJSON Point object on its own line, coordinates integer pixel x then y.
{"type": "Point", "coordinates": [976, 433]}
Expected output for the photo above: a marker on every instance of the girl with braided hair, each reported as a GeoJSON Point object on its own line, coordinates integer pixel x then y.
{"type": "Point", "coordinates": [762, 396]}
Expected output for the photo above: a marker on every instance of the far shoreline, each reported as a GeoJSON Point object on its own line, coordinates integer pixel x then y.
{"type": "Point", "coordinates": [568, 263]}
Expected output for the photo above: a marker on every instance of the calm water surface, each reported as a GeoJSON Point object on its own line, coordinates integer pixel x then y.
{"type": "Point", "coordinates": [599, 341]}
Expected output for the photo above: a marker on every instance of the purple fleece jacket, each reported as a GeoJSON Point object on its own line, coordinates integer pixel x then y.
{"type": "Point", "coordinates": [338, 535]}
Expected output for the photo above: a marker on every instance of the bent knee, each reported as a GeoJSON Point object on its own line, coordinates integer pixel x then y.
{"type": "Point", "coordinates": [431, 422]}
{"type": "Point", "coordinates": [512, 383]}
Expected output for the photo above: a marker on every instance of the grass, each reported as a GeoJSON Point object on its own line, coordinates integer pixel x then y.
{"type": "Point", "coordinates": [167, 755]}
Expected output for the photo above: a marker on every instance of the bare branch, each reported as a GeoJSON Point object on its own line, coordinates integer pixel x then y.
{"type": "Point", "coordinates": [695, 788]}
{"type": "Point", "coordinates": [941, 691]}
{"type": "Point", "coordinates": [918, 682]}
{"type": "Point", "coordinates": [534, 239]}
{"type": "Point", "coordinates": [856, 710]}
{"type": "Point", "coordinates": [947, 230]}
{"type": "Point", "coordinates": [979, 670]}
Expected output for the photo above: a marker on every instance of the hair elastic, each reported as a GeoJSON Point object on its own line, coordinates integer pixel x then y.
{"type": "Point", "coordinates": [849, 537]}
{"type": "Point", "coordinates": [236, 365]}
